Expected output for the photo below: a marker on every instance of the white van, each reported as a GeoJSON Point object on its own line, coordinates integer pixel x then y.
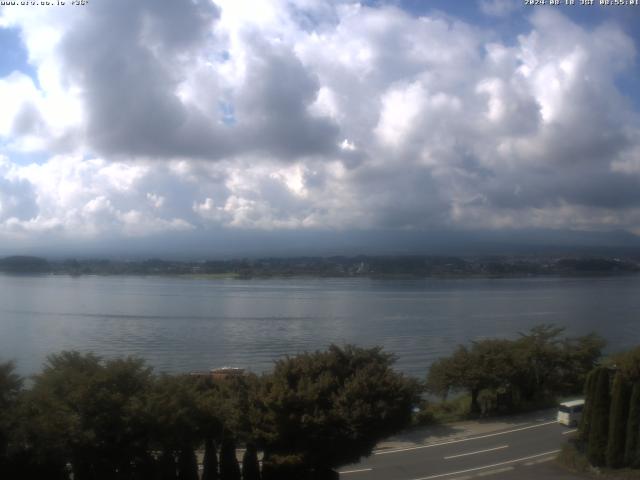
{"type": "Point", "coordinates": [569, 413]}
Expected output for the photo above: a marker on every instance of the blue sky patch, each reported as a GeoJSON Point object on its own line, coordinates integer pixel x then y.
{"type": "Point", "coordinates": [13, 54]}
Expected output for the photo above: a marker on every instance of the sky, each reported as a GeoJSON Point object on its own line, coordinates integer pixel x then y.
{"type": "Point", "coordinates": [239, 126]}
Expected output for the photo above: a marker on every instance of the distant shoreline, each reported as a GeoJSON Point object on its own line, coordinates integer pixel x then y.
{"type": "Point", "coordinates": [388, 267]}
{"type": "Point", "coordinates": [399, 277]}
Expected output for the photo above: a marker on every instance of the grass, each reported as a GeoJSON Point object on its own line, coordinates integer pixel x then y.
{"type": "Point", "coordinates": [448, 411]}
{"type": "Point", "coordinates": [457, 409]}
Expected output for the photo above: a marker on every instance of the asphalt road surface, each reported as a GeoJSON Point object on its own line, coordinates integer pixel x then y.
{"type": "Point", "coordinates": [523, 451]}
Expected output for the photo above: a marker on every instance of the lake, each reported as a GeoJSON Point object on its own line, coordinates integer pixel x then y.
{"type": "Point", "coordinates": [183, 324]}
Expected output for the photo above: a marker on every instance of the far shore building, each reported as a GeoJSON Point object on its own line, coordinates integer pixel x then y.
{"type": "Point", "coordinates": [220, 373]}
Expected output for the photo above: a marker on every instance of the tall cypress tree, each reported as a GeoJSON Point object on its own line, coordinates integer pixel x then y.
{"type": "Point", "coordinates": [589, 395]}
{"type": "Point", "coordinates": [187, 464]}
{"type": "Point", "coordinates": [632, 445]}
{"type": "Point", "coordinates": [268, 472]}
{"type": "Point", "coordinates": [145, 467]}
{"type": "Point", "coordinates": [229, 468]}
{"type": "Point", "coordinates": [599, 419]}
{"type": "Point", "coordinates": [167, 466]}
{"type": "Point", "coordinates": [210, 462]}
{"type": "Point", "coordinates": [620, 397]}
{"type": "Point", "coordinates": [250, 465]}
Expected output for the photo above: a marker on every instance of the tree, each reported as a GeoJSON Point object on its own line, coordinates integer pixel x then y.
{"type": "Point", "coordinates": [589, 395]}
{"type": "Point", "coordinates": [632, 445]}
{"type": "Point", "coordinates": [187, 464]}
{"type": "Point", "coordinates": [210, 461]}
{"type": "Point", "coordinates": [496, 362]}
{"type": "Point", "coordinates": [441, 378]}
{"type": "Point", "coordinates": [489, 365]}
{"type": "Point", "coordinates": [599, 422]}
{"type": "Point", "coordinates": [457, 372]}
{"type": "Point", "coordinates": [167, 466]}
{"type": "Point", "coordinates": [10, 388]}
{"type": "Point", "coordinates": [180, 414]}
{"type": "Point", "coordinates": [579, 357]}
{"type": "Point", "coordinates": [541, 356]}
{"type": "Point", "coordinates": [620, 397]}
{"type": "Point", "coordinates": [229, 468]}
{"type": "Point", "coordinates": [611, 419]}
{"type": "Point", "coordinates": [250, 465]}
{"type": "Point", "coordinates": [87, 412]}
{"type": "Point", "coordinates": [533, 368]}
{"type": "Point", "coordinates": [330, 408]}
{"type": "Point", "coordinates": [628, 363]}
{"type": "Point", "coordinates": [145, 467]}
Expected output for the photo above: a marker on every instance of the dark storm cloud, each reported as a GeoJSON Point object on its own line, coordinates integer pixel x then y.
{"type": "Point", "coordinates": [272, 110]}
{"type": "Point", "coordinates": [589, 187]}
{"type": "Point", "coordinates": [123, 55]}
{"type": "Point", "coordinates": [397, 199]}
{"type": "Point", "coordinates": [141, 52]}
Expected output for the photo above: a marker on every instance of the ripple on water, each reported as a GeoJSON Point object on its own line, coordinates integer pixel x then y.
{"type": "Point", "coordinates": [188, 324]}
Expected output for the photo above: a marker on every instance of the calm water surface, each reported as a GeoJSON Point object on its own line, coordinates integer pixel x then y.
{"type": "Point", "coordinates": [180, 324]}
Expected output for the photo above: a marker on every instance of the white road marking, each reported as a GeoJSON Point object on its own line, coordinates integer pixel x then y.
{"type": "Point", "coordinates": [570, 431]}
{"type": "Point", "coordinates": [487, 466]}
{"type": "Point", "coordinates": [355, 471]}
{"type": "Point", "coordinates": [387, 452]}
{"type": "Point", "coordinates": [495, 472]}
{"type": "Point", "coordinates": [535, 462]}
{"type": "Point", "coordinates": [479, 451]}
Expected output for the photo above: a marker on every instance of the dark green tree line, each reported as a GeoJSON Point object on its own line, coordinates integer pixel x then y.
{"type": "Point", "coordinates": [538, 366]}
{"type": "Point", "coordinates": [610, 427]}
{"type": "Point", "coordinates": [87, 418]}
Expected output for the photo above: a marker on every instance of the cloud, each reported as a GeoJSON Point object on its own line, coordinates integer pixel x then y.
{"type": "Point", "coordinates": [498, 8]}
{"type": "Point", "coordinates": [272, 109]}
{"type": "Point", "coordinates": [129, 78]}
{"type": "Point", "coordinates": [17, 202]}
{"type": "Point", "coordinates": [157, 83]}
{"type": "Point", "coordinates": [195, 117]}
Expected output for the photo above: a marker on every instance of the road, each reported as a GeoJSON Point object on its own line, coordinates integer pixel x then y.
{"type": "Point", "coordinates": [522, 451]}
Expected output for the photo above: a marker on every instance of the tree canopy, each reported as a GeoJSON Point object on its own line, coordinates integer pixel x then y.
{"type": "Point", "coordinates": [331, 408]}
{"type": "Point", "coordinates": [538, 365]}
{"type": "Point", "coordinates": [96, 419]}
